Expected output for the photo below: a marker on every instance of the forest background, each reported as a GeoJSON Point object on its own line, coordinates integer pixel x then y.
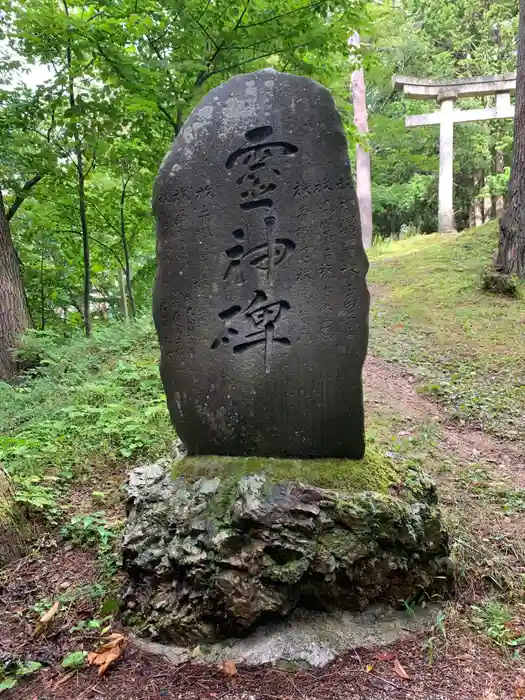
{"type": "Point", "coordinates": [91, 95]}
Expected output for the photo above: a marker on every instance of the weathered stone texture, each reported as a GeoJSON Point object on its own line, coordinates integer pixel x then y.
{"type": "Point", "coordinates": [261, 304]}
{"type": "Point", "coordinates": [213, 557]}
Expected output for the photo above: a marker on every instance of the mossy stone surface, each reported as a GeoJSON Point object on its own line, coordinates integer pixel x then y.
{"type": "Point", "coordinates": [373, 473]}
{"type": "Point", "coordinates": [213, 545]}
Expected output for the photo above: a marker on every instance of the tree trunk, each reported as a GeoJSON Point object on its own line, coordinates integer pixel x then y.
{"type": "Point", "coordinates": [123, 295]}
{"type": "Point", "coordinates": [85, 236]}
{"type": "Point", "coordinates": [511, 250]}
{"type": "Point", "coordinates": [14, 528]}
{"type": "Point", "coordinates": [81, 188]}
{"type": "Point", "coordinates": [498, 201]}
{"type": "Point", "coordinates": [14, 314]}
{"type": "Point", "coordinates": [478, 184]}
{"type": "Point", "coordinates": [127, 270]}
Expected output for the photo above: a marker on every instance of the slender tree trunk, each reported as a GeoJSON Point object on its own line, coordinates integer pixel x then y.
{"type": "Point", "coordinates": [127, 269]}
{"type": "Point", "coordinates": [85, 239]}
{"type": "Point", "coordinates": [81, 191]}
{"type": "Point", "coordinates": [478, 184]}
{"type": "Point", "coordinates": [498, 201]}
{"type": "Point", "coordinates": [511, 250]}
{"type": "Point", "coordinates": [14, 529]}
{"type": "Point", "coordinates": [123, 295]}
{"type": "Point", "coordinates": [14, 314]}
{"type": "Point", "coordinates": [42, 293]}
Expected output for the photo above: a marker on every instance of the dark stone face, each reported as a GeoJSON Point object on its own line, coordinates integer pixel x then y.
{"type": "Point", "coordinates": [261, 304]}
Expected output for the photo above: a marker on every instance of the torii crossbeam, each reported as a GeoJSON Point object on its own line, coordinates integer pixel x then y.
{"type": "Point", "coordinates": [446, 92]}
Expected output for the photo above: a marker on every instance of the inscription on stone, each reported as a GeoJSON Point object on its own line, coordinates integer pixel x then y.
{"type": "Point", "coordinates": [260, 301]}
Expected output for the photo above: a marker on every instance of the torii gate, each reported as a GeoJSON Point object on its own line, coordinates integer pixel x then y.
{"type": "Point", "coordinates": [446, 92]}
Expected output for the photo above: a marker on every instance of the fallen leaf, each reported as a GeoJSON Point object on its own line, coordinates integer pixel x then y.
{"type": "Point", "coordinates": [116, 635]}
{"type": "Point", "coordinates": [106, 654]}
{"type": "Point", "coordinates": [400, 671]}
{"type": "Point", "coordinates": [74, 660]}
{"type": "Point", "coordinates": [385, 656]}
{"type": "Point", "coordinates": [104, 660]}
{"type": "Point", "coordinates": [46, 619]}
{"type": "Point", "coordinates": [115, 640]}
{"type": "Point", "coordinates": [229, 668]}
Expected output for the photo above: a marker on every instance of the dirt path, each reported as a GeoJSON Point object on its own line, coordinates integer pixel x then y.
{"type": "Point", "coordinates": [386, 386]}
{"type": "Point", "coordinates": [451, 662]}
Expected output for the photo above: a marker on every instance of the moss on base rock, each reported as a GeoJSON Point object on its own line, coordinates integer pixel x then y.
{"type": "Point", "coordinates": [373, 473]}
{"type": "Point", "coordinates": [215, 544]}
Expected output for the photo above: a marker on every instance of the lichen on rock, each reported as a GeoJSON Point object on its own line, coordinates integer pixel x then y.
{"type": "Point", "coordinates": [215, 545]}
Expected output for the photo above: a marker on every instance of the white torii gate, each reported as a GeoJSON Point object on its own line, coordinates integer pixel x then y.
{"type": "Point", "coordinates": [446, 92]}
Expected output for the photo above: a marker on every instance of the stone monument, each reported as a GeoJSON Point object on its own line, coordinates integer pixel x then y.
{"type": "Point", "coordinates": [261, 304]}
{"type": "Point", "coordinates": [261, 309]}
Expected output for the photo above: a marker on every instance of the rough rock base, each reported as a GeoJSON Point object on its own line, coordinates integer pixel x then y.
{"type": "Point", "coordinates": [215, 546]}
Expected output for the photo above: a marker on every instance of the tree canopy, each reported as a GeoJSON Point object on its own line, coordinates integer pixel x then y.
{"type": "Point", "coordinates": [91, 96]}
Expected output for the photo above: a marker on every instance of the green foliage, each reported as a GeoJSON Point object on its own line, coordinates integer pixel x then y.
{"type": "Point", "coordinates": [90, 592]}
{"type": "Point", "coordinates": [91, 530]}
{"type": "Point", "coordinates": [94, 624]}
{"type": "Point", "coordinates": [494, 619]}
{"type": "Point", "coordinates": [11, 674]}
{"type": "Point", "coordinates": [76, 659]}
{"type": "Point", "coordinates": [438, 635]}
{"type": "Point", "coordinates": [91, 403]}
{"type": "Point", "coordinates": [94, 531]}
{"type": "Point", "coordinates": [435, 39]}
{"type": "Point", "coordinates": [122, 78]}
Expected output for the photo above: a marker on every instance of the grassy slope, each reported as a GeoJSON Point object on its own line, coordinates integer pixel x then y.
{"type": "Point", "coordinates": [466, 346]}
{"type": "Point", "coordinates": [96, 402]}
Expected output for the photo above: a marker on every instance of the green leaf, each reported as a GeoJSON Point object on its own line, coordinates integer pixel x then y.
{"type": "Point", "coordinates": [8, 683]}
{"type": "Point", "coordinates": [28, 668]}
{"type": "Point", "coordinates": [109, 606]}
{"type": "Point", "coordinates": [75, 660]}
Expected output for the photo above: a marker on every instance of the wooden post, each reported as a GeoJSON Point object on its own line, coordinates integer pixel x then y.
{"type": "Point", "coordinates": [363, 166]}
{"type": "Point", "coordinates": [446, 167]}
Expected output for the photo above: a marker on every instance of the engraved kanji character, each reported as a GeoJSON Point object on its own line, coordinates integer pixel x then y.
{"type": "Point", "coordinates": [257, 158]}
{"type": "Point", "coordinates": [258, 320]}
{"type": "Point", "coordinates": [264, 257]}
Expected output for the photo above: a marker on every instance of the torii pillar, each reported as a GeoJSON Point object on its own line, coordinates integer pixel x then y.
{"type": "Point", "coordinates": [446, 165]}
{"type": "Point", "coordinates": [446, 92]}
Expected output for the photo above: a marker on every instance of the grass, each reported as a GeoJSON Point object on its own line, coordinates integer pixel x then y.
{"type": "Point", "coordinates": [430, 314]}
{"type": "Point", "coordinates": [90, 405]}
